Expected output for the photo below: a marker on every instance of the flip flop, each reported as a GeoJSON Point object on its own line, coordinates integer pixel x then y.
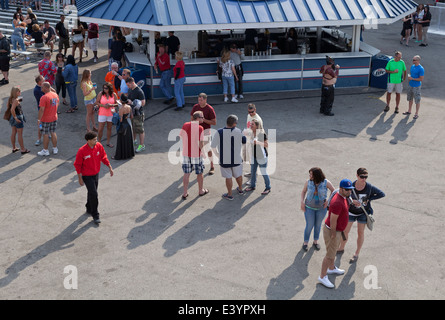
{"type": "Point", "coordinates": [26, 151]}
{"type": "Point", "coordinates": [205, 192]}
{"type": "Point", "coordinates": [415, 116]}
{"type": "Point", "coordinates": [386, 109]}
{"type": "Point", "coordinates": [396, 110]}
{"type": "Point", "coordinates": [15, 150]}
{"type": "Point", "coordinates": [353, 259]}
{"type": "Point", "coordinates": [185, 197]}
{"type": "Point", "coordinates": [70, 111]}
{"type": "Point", "coordinates": [406, 113]}
{"type": "Point", "coordinates": [265, 192]}
{"type": "Point", "coordinates": [110, 145]}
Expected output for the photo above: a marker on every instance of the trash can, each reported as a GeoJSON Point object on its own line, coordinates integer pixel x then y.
{"type": "Point", "coordinates": [379, 77]}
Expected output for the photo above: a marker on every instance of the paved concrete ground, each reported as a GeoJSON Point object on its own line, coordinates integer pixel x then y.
{"type": "Point", "coordinates": [153, 245]}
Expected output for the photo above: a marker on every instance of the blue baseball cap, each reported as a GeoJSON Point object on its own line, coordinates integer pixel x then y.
{"type": "Point", "coordinates": [346, 184]}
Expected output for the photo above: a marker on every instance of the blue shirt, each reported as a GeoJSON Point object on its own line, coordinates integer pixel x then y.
{"type": "Point", "coordinates": [416, 72]}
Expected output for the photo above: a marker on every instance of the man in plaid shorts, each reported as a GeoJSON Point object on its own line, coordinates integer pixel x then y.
{"type": "Point", "coordinates": [47, 118]}
{"type": "Point", "coordinates": [192, 143]}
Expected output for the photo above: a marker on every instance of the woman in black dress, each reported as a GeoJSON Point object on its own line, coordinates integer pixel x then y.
{"type": "Point", "coordinates": [125, 147]}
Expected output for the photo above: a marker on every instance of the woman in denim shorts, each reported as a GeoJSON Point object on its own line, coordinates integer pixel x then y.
{"type": "Point", "coordinates": [89, 93]}
{"type": "Point", "coordinates": [363, 192]}
{"type": "Point", "coordinates": [16, 119]}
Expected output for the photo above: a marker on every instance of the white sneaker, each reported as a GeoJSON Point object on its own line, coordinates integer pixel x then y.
{"type": "Point", "coordinates": [236, 96]}
{"type": "Point", "coordinates": [241, 96]}
{"type": "Point", "coordinates": [226, 99]}
{"type": "Point", "coordinates": [43, 153]}
{"type": "Point", "coordinates": [325, 281]}
{"type": "Point", "coordinates": [55, 150]}
{"type": "Point", "coordinates": [336, 271]}
{"type": "Point", "coordinates": [234, 99]}
{"type": "Point", "coordinates": [95, 60]}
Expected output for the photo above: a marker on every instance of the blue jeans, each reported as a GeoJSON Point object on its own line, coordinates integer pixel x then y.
{"type": "Point", "coordinates": [228, 81]}
{"type": "Point", "coordinates": [71, 87]}
{"type": "Point", "coordinates": [19, 40]}
{"type": "Point", "coordinates": [166, 83]}
{"type": "Point", "coordinates": [4, 4]}
{"type": "Point", "coordinates": [263, 170]}
{"type": "Point", "coordinates": [314, 219]}
{"type": "Point", "coordinates": [179, 92]}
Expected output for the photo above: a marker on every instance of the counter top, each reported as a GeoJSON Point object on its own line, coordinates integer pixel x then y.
{"type": "Point", "coordinates": [139, 58]}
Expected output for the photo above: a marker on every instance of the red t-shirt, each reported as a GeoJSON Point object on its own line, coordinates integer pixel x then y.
{"type": "Point", "coordinates": [208, 112]}
{"type": "Point", "coordinates": [191, 135]}
{"type": "Point", "coordinates": [181, 66]}
{"type": "Point", "coordinates": [163, 62]}
{"type": "Point", "coordinates": [88, 159]}
{"type": "Point", "coordinates": [339, 206]}
{"type": "Point", "coordinates": [50, 103]}
{"type": "Point", "coordinates": [93, 31]}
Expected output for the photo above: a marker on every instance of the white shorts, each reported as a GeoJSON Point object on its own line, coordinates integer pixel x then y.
{"type": "Point", "coordinates": [104, 119]}
{"type": "Point", "coordinates": [397, 87]}
{"type": "Point", "coordinates": [232, 172]}
{"type": "Point", "coordinates": [93, 43]}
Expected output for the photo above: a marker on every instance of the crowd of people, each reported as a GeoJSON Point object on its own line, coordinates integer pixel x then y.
{"type": "Point", "coordinates": [415, 26]}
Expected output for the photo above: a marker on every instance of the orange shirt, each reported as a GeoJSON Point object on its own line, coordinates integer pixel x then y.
{"type": "Point", "coordinates": [50, 103]}
{"type": "Point", "coordinates": [109, 77]}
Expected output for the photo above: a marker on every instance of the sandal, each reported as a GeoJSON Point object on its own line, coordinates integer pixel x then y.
{"type": "Point", "coordinates": [65, 103]}
{"type": "Point", "coordinates": [386, 109]}
{"type": "Point", "coordinates": [396, 110]}
{"type": "Point", "coordinates": [110, 145]}
{"type": "Point", "coordinates": [265, 192]}
{"type": "Point", "coordinates": [406, 113]}
{"type": "Point", "coordinates": [353, 259]}
{"type": "Point", "coordinates": [76, 108]}
{"type": "Point", "coordinates": [15, 150]}
{"type": "Point", "coordinates": [185, 196]}
{"type": "Point", "coordinates": [26, 151]}
{"type": "Point", "coordinates": [205, 192]}
{"type": "Point", "coordinates": [70, 110]}
{"type": "Point", "coordinates": [415, 116]}
{"type": "Point", "coordinates": [248, 189]}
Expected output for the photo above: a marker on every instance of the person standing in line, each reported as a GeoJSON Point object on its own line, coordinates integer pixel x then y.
{"type": "Point", "coordinates": [259, 157]}
{"type": "Point", "coordinates": [179, 74]}
{"type": "Point", "coordinates": [226, 144]}
{"type": "Point", "coordinates": [334, 227]}
{"type": "Point", "coordinates": [417, 72]}
{"type": "Point", "coordinates": [162, 65]}
{"type": "Point", "coordinates": [47, 68]}
{"type": "Point", "coordinates": [228, 75]}
{"type": "Point", "coordinates": [16, 119]}
{"type": "Point", "coordinates": [208, 121]}
{"type": "Point", "coordinates": [424, 23]}
{"type": "Point", "coordinates": [89, 94]}
{"type": "Point", "coordinates": [71, 74]}
{"type": "Point", "coordinates": [397, 73]}
{"type": "Point", "coordinates": [364, 192]}
{"type": "Point", "coordinates": [47, 118]}
{"type": "Point", "coordinates": [235, 55]}
{"type": "Point", "coordinates": [192, 144]}
{"type": "Point", "coordinates": [314, 204]}
{"type": "Point", "coordinates": [87, 165]}
{"type": "Point", "coordinates": [330, 74]}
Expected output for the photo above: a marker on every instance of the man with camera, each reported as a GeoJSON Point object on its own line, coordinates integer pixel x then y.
{"type": "Point", "coordinates": [330, 74]}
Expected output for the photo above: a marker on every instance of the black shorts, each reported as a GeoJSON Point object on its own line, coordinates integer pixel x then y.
{"type": "Point", "coordinates": [4, 63]}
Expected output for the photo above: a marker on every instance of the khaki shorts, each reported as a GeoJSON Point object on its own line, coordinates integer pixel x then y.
{"type": "Point", "coordinates": [138, 124]}
{"type": "Point", "coordinates": [397, 87]}
{"type": "Point", "coordinates": [232, 172]}
{"type": "Point", "coordinates": [331, 244]}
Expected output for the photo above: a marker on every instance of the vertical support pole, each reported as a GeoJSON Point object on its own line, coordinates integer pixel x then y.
{"type": "Point", "coordinates": [152, 59]}
{"type": "Point", "coordinates": [356, 38]}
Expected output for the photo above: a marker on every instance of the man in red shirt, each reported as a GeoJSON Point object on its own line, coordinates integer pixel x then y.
{"type": "Point", "coordinates": [209, 120]}
{"type": "Point", "coordinates": [162, 64]}
{"type": "Point", "coordinates": [87, 164]}
{"type": "Point", "coordinates": [192, 143]}
{"type": "Point", "coordinates": [47, 118]}
{"type": "Point", "coordinates": [93, 38]}
{"type": "Point", "coordinates": [335, 224]}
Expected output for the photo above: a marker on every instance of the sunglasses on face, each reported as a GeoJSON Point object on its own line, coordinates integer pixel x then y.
{"type": "Point", "coordinates": [363, 177]}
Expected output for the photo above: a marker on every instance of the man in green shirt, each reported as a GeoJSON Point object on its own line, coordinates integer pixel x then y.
{"type": "Point", "coordinates": [396, 69]}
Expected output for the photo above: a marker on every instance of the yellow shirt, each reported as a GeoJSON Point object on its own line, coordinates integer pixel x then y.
{"type": "Point", "coordinates": [88, 87]}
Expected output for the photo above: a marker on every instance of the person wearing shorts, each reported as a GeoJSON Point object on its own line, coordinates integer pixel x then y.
{"type": "Point", "coordinates": [47, 118]}
{"type": "Point", "coordinates": [396, 69]}
{"type": "Point", "coordinates": [106, 101]}
{"type": "Point", "coordinates": [192, 144]}
{"type": "Point", "coordinates": [415, 78]}
{"type": "Point", "coordinates": [93, 38]}
{"type": "Point", "coordinates": [227, 144]}
{"type": "Point", "coordinates": [335, 224]}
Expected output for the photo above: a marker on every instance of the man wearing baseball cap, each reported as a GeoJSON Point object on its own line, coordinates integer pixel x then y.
{"type": "Point", "coordinates": [335, 224]}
